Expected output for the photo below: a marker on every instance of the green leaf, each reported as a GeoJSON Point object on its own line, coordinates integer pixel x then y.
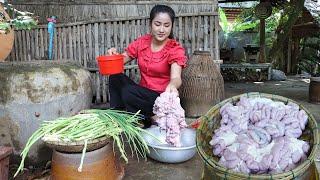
{"type": "Point", "coordinates": [223, 20]}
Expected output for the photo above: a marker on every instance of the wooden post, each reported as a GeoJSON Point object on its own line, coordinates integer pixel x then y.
{"type": "Point", "coordinates": [216, 38]}
{"type": "Point", "coordinates": [262, 41]}
{"type": "Point", "coordinates": [289, 52]}
{"type": "Point", "coordinates": [295, 54]}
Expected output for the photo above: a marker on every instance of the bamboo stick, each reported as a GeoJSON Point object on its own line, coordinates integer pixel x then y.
{"type": "Point", "coordinates": [90, 48]}
{"type": "Point", "coordinates": [84, 44]}
{"type": "Point", "coordinates": [102, 43]}
{"type": "Point", "coordinates": [205, 33]}
{"type": "Point", "coordinates": [98, 96]}
{"type": "Point", "coordinates": [41, 44]}
{"type": "Point", "coordinates": [36, 42]}
{"type": "Point", "coordinates": [96, 42]}
{"type": "Point", "coordinates": [211, 30]}
{"type": "Point", "coordinates": [79, 45]}
{"type": "Point", "coordinates": [180, 28]}
{"type": "Point", "coordinates": [193, 33]}
{"type": "Point", "coordinates": [60, 43]}
{"type": "Point", "coordinates": [70, 43]}
{"type": "Point", "coordinates": [199, 34]}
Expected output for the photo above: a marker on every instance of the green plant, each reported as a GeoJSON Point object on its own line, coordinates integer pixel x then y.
{"type": "Point", "coordinates": [231, 28]}
{"type": "Point", "coordinates": [89, 125]}
{"type": "Point", "coordinates": [20, 19]}
{"type": "Point", "coordinates": [309, 59]}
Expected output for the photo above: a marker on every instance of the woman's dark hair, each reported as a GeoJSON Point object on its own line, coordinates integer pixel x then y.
{"type": "Point", "coordinates": [163, 9]}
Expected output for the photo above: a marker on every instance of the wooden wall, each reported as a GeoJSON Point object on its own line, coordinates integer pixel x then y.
{"type": "Point", "coordinates": [84, 41]}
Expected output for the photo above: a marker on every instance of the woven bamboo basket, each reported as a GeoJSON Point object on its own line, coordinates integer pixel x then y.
{"type": "Point", "coordinates": [77, 146]}
{"type": "Point", "coordinates": [211, 121]}
{"type": "Point", "coordinates": [202, 71]}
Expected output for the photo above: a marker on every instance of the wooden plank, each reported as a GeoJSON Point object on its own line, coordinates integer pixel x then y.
{"type": "Point", "coordinates": [121, 32]}
{"type": "Point", "coordinates": [104, 89]}
{"type": "Point", "coordinates": [24, 44]}
{"type": "Point", "coordinates": [205, 33]}
{"type": "Point", "coordinates": [138, 28]}
{"type": "Point", "coordinates": [90, 48]}
{"type": "Point", "coordinates": [147, 25]}
{"type": "Point", "coordinates": [180, 28]}
{"type": "Point", "coordinates": [186, 35]}
{"type": "Point", "coordinates": [127, 33]}
{"type": "Point", "coordinates": [132, 31]}
{"type": "Point", "coordinates": [143, 26]}
{"type": "Point", "coordinates": [70, 43]}
{"type": "Point", "coordinates": [32, 46]}
{"type": "Point", "coordinates": [60, 42]}
{"type": "Point", "coordinates": [46, 43]}
{"type": "Point", "coordinates": [216, 38]}
{"type": "Point", "coordinates": [107, 89]}
{"type": "Point", "coordinates": [135, 29]}
{"type": "Point", "coordinates": [79, 45]}
{"type": "Point", "coordinates": [102, 43]}
{"type": "Point", "coordinates": [211, 31]}
{"type": "Point", "coordinates": [64, 43]}
{"type": "Point", "coordinates": [74, 37]}
{"type": "Point", "coordinates": [36, 39]}
{"type": "Point", "coordinates": [193, 33]}
{"type": "Point", "coordinates": [93, 84]}
{"type": "Point", "coordinates": [84, 43]}
{"type": "Point", "coordinates": [109, 35]}
{"type": "Point", "coordinates": [199, 34]}
{"type": "Point", "coordinates": [115, 35]}
{"type": "Point", "coordinates": [96, 43]}
{"type": "Point", "coordinates": [20, 50]}
{"type": "Point", "coordinates": [41, 45]}
{"type": "Point", "coordinates": [55, 50]}
{"type": "Point", "coordinates": [16, 46]}
{"type": "Point", "coordinates": [98, 96]}
{"type": "Point", "coordinates": [28, 48]}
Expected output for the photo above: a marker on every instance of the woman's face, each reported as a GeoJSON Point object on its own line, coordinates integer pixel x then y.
{"type": "Point", "coordinates": [161, 27]}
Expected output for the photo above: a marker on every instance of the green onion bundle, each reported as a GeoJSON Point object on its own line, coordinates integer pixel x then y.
{"type": "Point", "coordinates": [89, 125]}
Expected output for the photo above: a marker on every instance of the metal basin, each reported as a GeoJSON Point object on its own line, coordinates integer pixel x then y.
{"type": "Point", "coordinates": [164, 152]}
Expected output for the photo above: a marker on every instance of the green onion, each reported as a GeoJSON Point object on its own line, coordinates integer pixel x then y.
{"type": "Point", "coordinates": [92, 124]}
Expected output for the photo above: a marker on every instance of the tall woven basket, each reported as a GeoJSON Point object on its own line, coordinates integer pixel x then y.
{"type": "Point", "coordinates": [211, 121]}
{"type": "Point", "coordinates": [202, 86]}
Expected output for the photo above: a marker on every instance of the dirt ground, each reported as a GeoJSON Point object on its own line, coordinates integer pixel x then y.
{"type": "Point", "coordinates": [294, 88]}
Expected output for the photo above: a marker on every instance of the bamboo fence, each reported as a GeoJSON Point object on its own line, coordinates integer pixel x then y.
{"type": "Point", "coordinates": [84, 41]}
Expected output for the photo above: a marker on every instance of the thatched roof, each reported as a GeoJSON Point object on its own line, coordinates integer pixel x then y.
{"type": "Point", "coordinates": [314, 8]}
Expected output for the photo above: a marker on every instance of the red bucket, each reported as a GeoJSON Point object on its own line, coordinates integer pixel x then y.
{"type": "Point", "coordinates": [111, 64]}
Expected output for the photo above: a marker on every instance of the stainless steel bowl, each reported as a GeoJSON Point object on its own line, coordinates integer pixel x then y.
{"type": "Point", "coordinates": [164, 152]}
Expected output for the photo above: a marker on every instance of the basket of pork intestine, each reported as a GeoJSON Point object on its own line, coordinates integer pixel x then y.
{"type": "Point", "coordinates": [257, 135]}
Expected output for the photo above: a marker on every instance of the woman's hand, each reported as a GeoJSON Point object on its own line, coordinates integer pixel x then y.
{"type": "Point", "coordinates": [175, 78]}
{"type": "Point", "coordinates": [112, 51]}
{"type": "Point", "coordinates": [171, 88]}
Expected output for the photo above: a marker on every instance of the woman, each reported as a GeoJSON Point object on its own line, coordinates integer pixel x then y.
{"type": "Point", "coordinates": [160, 60]}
